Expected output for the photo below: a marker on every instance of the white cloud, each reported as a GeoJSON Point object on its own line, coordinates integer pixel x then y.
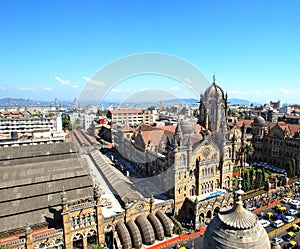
{"type": "Point", "coordinates": [65, 82]}
{"type": "Point", "coordinates": [48, 89]}
{"type": "Point", "coordinates": [175, 88]}
{"type": "Point", "coordinates": [2, 88]}
{"type": "Point", "coordinates": [26, 89]}
{"type": "Point", "coordinates": [288, 91]}
{"type": "Point", "coordinates": [93, 81]}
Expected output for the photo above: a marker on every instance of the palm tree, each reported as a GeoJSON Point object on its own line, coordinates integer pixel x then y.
{"type": "Point", "coordinates": [247, 152]}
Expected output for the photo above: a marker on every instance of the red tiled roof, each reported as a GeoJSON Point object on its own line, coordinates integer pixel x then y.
{"type": "Point", "coordinates": [154, 136]}
{"type": "Point", "coordinates": [292, 117]}
{"type": "Point", "coordinates": [171, 128]}
{"type": "Point", "coordinates": [126, 127]}
{"type": "Point", "coordinates": [291, 128]}
{"type": "Point", "coordinates": [247, 122]}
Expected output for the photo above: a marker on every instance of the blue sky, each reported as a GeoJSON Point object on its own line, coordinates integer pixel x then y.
{"type": "Point", "coordinates": [49, 48]}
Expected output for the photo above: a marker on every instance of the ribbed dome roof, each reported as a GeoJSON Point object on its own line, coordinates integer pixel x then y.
{"type": "Point", "coordinates": [185, 127]}
{"type": "Point", "coordinates": [260, 121]}
{"type": "Point", "coordinates": [238, 218]}
{"type": "Point", "coordinates": [236, 228]}
{"type": "Point", "coordinates": [214, 89]}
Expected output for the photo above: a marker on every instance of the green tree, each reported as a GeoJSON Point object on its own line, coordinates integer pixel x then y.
{"type": "Point", "coordinates": [248, 151]}
{"type": "Point", "coordinates": [251, 178]}
{"type": "Point", "coordinates": [261, 179]}
{"type": "Point", "coordinates": [263, 175]}
{"type": "Point", "coordinates": [257, 178]}
{"type": "Point", "coordinates": [4, 247]}
{"type": "Point", "coordinates": [66, 122]}
{"type": "Point", "coordinates": [97, 246]}
{"type": "Point", "coordinates": [178, 227]}
{"type": "Point", "coordinates": [290, 169]}
{"type": "Point", "coordinates": [247, 181]}
{"type": "Point", "coordinates": [244, 182]}
{"type": "Point", "coordinates": [298, 166]}
{"type": "Point", "coordinates": [294, 167]}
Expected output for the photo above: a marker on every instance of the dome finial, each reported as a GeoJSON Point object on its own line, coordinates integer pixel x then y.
{"type": "Point", "coordinates": [239, 192]}
{"type": "Point", "coordinates": [214, 79]}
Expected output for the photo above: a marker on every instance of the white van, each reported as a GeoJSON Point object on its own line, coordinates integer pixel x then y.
{"type": "Point", "coordinates": [277, 223]}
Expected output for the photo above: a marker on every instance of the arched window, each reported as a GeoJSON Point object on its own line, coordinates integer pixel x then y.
{"type": "Point", "coordinates": [227, 182]}
{"type": "Point", "coordinates": [217, 184]}
{"type": "Point", "coordinates": [83, 219]}
{"type": "Point", "coordinates": [77, 241]}
{"type": "Point", "coordinates": [72, 221]}
{"type": "Point", "coordinates": [93, 217]}
{"type": "Point", "coordinates": [192, 190]}
{"type": "Point", "coordinates": [91, 237]}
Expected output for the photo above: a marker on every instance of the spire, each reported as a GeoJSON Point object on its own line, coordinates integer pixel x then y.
{"type": "Point", "coordinates": [28, 229]}
{"type": "Point", "coordinates": [214, 79]}
{"type": "Point", "coordinates": [238, 217]}
{"type": "Point", "coordinates": [63, 196]}
{"type": "Point", "coordinates": [97, 191]}
{"type": "Point", "coordinates": [206, 121]}
{"type": "Point", "coordinates": [179, 134]}
{"type": "Point", "coordinates": [239, 192]}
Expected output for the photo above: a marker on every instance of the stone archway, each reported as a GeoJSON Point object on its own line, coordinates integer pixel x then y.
{"type": "Point", "coordinates": [216, 210]}
{"type": "Point", "coordinates": [91, 238]}
{"type": "Point", "coordinates": [227, 182]}
{"type": "Point", "coordinates": [77, 241]}
{"type": "Point", "coordinates": [209, 214]}
{"type": "Point", "coordinates": [201, 218]}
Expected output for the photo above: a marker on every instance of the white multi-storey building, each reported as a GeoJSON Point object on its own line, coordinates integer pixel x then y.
{"type": "Point", "coordinates": [22, 130]}
{"type": "Point", "coordinates": [132, 117]}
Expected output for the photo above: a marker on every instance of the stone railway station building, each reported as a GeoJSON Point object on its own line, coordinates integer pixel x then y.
{"type": "Point", "coordinates": [49, 199]}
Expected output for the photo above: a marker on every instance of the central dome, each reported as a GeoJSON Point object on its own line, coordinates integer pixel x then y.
{"type": "Point", "coordinates": [259, 121]}
{"type": "Point", "coordinates": [236, 228]}
{"type": "Point", "coordinates": [214, 90]}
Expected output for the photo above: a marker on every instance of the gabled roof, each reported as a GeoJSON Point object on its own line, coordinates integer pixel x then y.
{"type": "Point", "coordinates": [126, 127]}
{"type": "Point", "coordinates": [154, 136]}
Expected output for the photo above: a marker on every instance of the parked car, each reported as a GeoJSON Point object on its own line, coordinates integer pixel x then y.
{"type": "Point", "coordinates": [282, 209]}
{"type": "Point", "coordinates": [291, 245]}
{"type": "Point", "coordinates": [277, 223]}
{"type": "Point", "coordinates": [289, 236]}
{"type": "Point", "coordinates": [269, 215]}
{"type": "Point", "coordinates": [286, 200]}
{"type": "Point", "coordinates": [294, 228]}
{"type": "Point", "coordinates": [264, 223]}
{"type": "Point", "coordinates": [292, 212]}
{"type": "Point", "coordinates": [277, 239]}
{"type": "Point", "coordinates": [294, 202]}
{"type": "Point", "coordinates": [288, 219]}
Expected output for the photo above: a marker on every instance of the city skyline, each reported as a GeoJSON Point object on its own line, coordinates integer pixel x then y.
{"type": "Point", "coordinates": [51, 49]}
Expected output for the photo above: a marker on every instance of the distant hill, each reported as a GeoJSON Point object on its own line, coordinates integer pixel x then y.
{"type": "Point", "coordinates": [27, 102]}
{"type": "Point", "coordinates": [236, 101]}
{"type": "Point", "coordinates": [138, 103]}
